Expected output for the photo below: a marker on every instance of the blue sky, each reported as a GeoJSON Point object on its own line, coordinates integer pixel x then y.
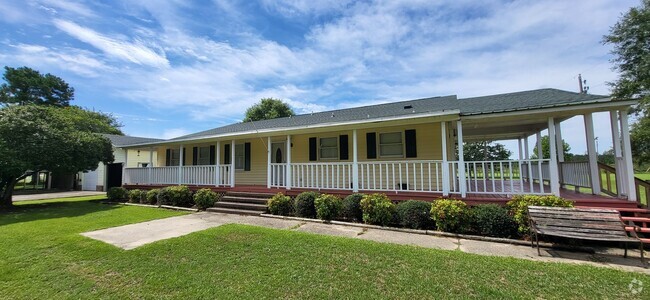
{"type": "Point", "coordinates": [167, 68]}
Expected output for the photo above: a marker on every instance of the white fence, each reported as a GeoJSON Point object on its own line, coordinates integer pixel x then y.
{"type": "Point", "coordinates": [192, 175]}
{"type": "Point", "coordinates": [278, 174]}
{"type": "Point", "coordinates": [575, 173]}
{"type": "Point", "coordinates": [507, 177]}
{"type": "Point", "coordinates": [322, 175]}
{"type": "Point", "coordinates": [415, 176]}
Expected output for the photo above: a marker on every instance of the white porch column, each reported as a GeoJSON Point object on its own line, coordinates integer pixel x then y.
{"type": "Point", "coordinates": [180, 165]}
{"type": "Point", "coordinates": [558, 142]}
{"type": "Point", "coordinates": [553, 164]}
{"type": "Point", "coordinates": [461, 161]}
{"type": "Point", "coordinates": [288, 172]}
{"type": "Point", "coordinates": [526, 153]}
{"type": "Point", "coordinates": [445, 164]}
{"type": "Point", "coordinates": [217, 159]}
{"type": "Point", "coordinates": [268, 162]}
{"type": "Point", "coordinates": [591, 152]}
{"type": "Point", "coordinates": [126, 161]}
{"type": "Point", "coordinates": [232, 163]}
{"type": "Point", "coordinates": [618, 158]}
{"type": "Point", "coordinates": [627, 157]}
{"type": "Point", "coordinates": [520, 149]}
{"type": "Point", "coordinates": [150, 165]}
{"type": "Point", "coordinates": [355, 163]}
{"type": "Point", "coordinates": [540, 153]}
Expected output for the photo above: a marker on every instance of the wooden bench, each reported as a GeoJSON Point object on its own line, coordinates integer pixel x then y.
{"type": "Point", "coordinates": [581, 224]}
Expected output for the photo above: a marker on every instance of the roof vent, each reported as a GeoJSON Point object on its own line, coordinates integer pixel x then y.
{"type": "Point", "coordinates": [332, 115]}
{"type": "Point", "coordinates": [408, 106]}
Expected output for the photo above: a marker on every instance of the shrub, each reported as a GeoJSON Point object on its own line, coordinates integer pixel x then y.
{"type": "Point", "coordinates": [492, 220]}
{"type": "Point", "coordinates": [136, 196]}
{"type": "Point", "coordinates": [152, 196]}
{"type": "Point", "coordinates": [449, 215]}
{"type": "Point", "coordinates": [304, 204]}
{"type": "Point", "coordinates": [118, 194]}
{"type": "Point", "coordinates": [327, 206]}
{"type": "Point", "coordinates": [280, 205]}
{"type": "Point", "coordinates": [519, 204]}
{"type": "Point", "coordinates": [351, 208]}
{"type": "Point", "coordinates": [377, 209]}
{"type": "Point", "coordinates": [205, 198]}
{"type": "Point", "coordinates": [178, 195]}
{"type": "Point", "coordinates": [414, 214]}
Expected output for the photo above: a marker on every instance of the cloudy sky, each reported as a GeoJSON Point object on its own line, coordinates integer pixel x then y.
{"type": "Point", "coordinates": [167, 68]}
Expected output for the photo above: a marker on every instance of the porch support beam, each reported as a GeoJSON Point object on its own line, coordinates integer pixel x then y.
{"type": "Point", "coordinates": [520, 149]}
{"type": "Point", "coordinates": [461, 161]}
{"type": "Point", "coordinates": [591, 152]}
{"type": "Point", "coordinates": [232, 163]}
{"type": "Point", "coordinates": [355, 163]}
{"type": "Point", "coordinates": [126, 162]}
{"type": "Point", "coordinates": [553, 164]}
{"type": "Point", "coordinates": [558, 142]}
{"type": "Point", "coordinates": [526, 153]}
{"type": "Point", "coordinates": [268, 162]}
{"type": "Point", "coordinates": [217, 159]}
{"type": "Point", "coordinates": [180, 165]}
{"type": "Point", "coordinates": [627, 157]}
{"type": "Point", "coordinates": [445, 164]}
{"type": "Point", "coordinates": [540, 153]}
{"type": "Point", "coordinates": [288, 172]}
{"type": "Point", "coordinates": [618, 158]}
{"type": "Point", "coordinates": [150, 165]}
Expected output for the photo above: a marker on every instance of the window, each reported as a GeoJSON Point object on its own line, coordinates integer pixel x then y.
{"type": "Point", "coordinates": [390, 144]}
{"type": "Point", "coordinates": [175, 157]}
{"type": "Point", "coordinates": [239, 157]}
{"type": "Point", "coordinates": [203, 156]}
{"type": "Point", "coordinates": [329, 148]}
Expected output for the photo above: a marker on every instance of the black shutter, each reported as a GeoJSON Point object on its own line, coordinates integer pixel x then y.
{"type": "Point", "coordinates": [212, 154]}
{"type": "Point", "coordinates": [411, 144]}
{"type": "Point", "coordinates": [343, 147]}
{"type": "Point", "coordinates": [313, 149]}
{"type": "Point", "coordinates": [168, 157]}
{"type": "Point", "coordinates": [226, 154]}
{"type": "Point", "coordinates": [195, 155]}
{"type": "Point", "coordinates": [184, 155]}
{"type": "Point", "coordinates": [247, 156]}
{"type": "Point", "coordinates": [371, 145]}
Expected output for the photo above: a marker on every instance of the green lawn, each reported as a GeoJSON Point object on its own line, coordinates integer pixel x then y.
{"type": "Point", "coordinates": [43, 256]}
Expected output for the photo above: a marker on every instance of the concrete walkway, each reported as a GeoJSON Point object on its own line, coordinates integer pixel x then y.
{"type": "Point", "coordinates": [54, 195]}
{"type": "Point", "coordinates": [135, 235]}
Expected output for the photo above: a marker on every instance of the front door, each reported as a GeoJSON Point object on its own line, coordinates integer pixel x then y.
{"type": "Point", "coordinates": [278, 156]}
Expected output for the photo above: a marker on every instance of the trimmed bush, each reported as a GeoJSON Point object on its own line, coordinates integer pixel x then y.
{"type": "Point", "coordinates": [117, 194]}
{"type": "Point", "coordinates": [492, 220]}
{"type": "Point", "coordinates": [304, 204]}
{"type": "Point", "coordinates": [327, 206]}
{"type": "Point", "coordinates": [377, 209]}
{"type": "Point", "coordinates": [136, 196]}
{"type": "Point", "coordinates": [205, 198]}
{"type": "Point", "coordinates": [152, 196]}
{"type": "Point", "coordinates": [178, 195]}
{"type": "Point", "coordinates": [280, 205]}
{"type": "Point", "coordinates": [414, 214]}
{"type": "Point", "coordinates": [351, 209]}
{"type": "Point", "coordinates": [449, 215]}
{"type": "Point", "coordinates": [519, 204]}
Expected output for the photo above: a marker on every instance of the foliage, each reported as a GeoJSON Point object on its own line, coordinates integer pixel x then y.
{"type": "Point", "coordinates": [450, 215]}
{"type": "Point", "coordinates": [178, 195]}
{"type": "Point", "coordinates": [492, 220]}
{"type": "Point", "coordinates": [268, 108]}
{"type": "Point", "coordinates": [205, 198]}
{"type": "Point", "coordinates": [518, 207]}
{"type": "Point", "coordinates": [640, 141]}
{"type": "Point", "coordinates": [478, 151]}
{"type": "Point", "coordinates": [304, 204]}
{"type": "Point", "coordinates": [351, 209]}
{"type": "Point", "coordinates": [327, 206]}
{"type": "Point", "coordinates": [414, 214]}
{"type": "Point", "coordinates": [280, 204]}
{"type": "Point", "coordinates": [631, 49]}
{"type": "Point", "coordinates": [137, 196]}
{"type": "Point", "coordinates": [25, 86]}
{"type": "Point", "coordinates": [546, 148]}
{"type": "Point", "coordinates": [117, 194]}
{"type": "Point", "coordinates": [377, 209]}
{"type": "Point", "coordinates": [152, 196]}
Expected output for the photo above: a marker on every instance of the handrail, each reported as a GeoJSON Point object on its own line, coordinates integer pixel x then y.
{"type": "Point", "coordinates": [640, 183]}
{"type": "Point", "coordinates": [608, 189]}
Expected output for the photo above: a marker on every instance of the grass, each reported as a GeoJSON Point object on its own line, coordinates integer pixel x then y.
{"type": "Point", "coordinates": [43, 256]}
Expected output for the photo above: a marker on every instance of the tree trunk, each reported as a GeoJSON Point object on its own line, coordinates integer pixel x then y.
{"type": "Point", "coordinates": [6, 193]}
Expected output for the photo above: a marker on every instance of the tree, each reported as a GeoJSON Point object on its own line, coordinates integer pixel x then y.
{"type": "Point", "coordinates": [37, 137]}
{"type": "Point", "coordinates": [546, 148]}
{"type": "Point", "coordinates": [27, 86]}
{"type": "Point", "coordinates": [640, 141]}
{"type": "Point", "coordinates": [478, 151]}
{"type": "Point", "coordinates": [268, 108]}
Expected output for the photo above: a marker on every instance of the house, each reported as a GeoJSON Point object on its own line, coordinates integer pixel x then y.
{"type": "Point", "coordinates": [107, 176]}
{"type": "Point", "coordinates": [407, 149]}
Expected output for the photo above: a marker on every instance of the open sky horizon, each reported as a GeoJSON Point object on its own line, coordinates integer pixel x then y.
{"type": "Point", "coordinates": [169, 68]}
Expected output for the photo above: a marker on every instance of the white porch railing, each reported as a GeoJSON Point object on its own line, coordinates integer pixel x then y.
{"type": "Point", "coordinates": [322, 175]}
{"type": "Point", "coordinates": [575, 173]}
{"type": "Point", "coordinates": [278, 174]}
{"type": "Point", "coordinates": [412, 175]}
{"type": "Point", "coordinates": [136, 175]}
{"type": "Point", "coordinates": [192, 175]}
{"type": "Point", "coordinates": [224, 175]}
{"type": "Point", "coordinates": [507, 177]}
{"type": "Point", "coordinates": [198, 175]}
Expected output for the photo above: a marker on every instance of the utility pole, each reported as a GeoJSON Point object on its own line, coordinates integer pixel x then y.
{"type": "Point", "coordinates": [582, 85]}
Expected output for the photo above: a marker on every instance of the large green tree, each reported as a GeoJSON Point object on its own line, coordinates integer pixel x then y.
{"type": "Point", "coordinates": [37, 137]}
{"type": "Point", "coordinates": [640, 140]}
{"type": "Point", "coordinates": [268, 108]}
{"type": "Point", "coordinates": [546, 148]}
{"type": "Point", "coordinates": [27, 86]}
{"type": "Point", "coordinates": [478, 151]}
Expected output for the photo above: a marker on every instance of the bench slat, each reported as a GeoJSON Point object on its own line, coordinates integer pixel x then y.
{"type": "Point", "coordinates": [578, 224]}
{"type": "Point", "coordinates": [577, 217]}
{"type": "Point", "coordinates": [570, 209]}
{"type": "Point", "coordinates": [589, 237]}
{"type": "Point", "coordinates": [583, 230]}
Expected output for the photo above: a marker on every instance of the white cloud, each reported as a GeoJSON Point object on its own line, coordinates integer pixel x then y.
{"type": "Point", "coordinates": [70, 6]}
{"type": "Point", "coordinates": [78, 61]}
{"type": "Point", "coordinates": [174, 133]}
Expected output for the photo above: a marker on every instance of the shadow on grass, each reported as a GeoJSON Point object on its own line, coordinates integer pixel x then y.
{"type": "Point", "coordinates": [51, 210]}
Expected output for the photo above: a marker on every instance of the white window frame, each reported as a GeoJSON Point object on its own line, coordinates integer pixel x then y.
{"type": "Point", "coordinates": [401, 143]}
{"type": "Point", "coordinates": [203, 160]}
{"type": "Point", "coordinates": [320, 148]}
{"type": "Point", "coordinates": [177, 160]}
{"type": "Point", "coordinates": [240, 157]}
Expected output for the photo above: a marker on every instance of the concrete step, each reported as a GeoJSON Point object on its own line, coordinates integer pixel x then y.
{"type": "Point", "coordinates": [235, 211]}
{"type": "Point", "coordinates": [228, 198]}
{"type": "Point", "coordinates": [241, 205]}
{"type": "Point", "coordinates": [250, 195]}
